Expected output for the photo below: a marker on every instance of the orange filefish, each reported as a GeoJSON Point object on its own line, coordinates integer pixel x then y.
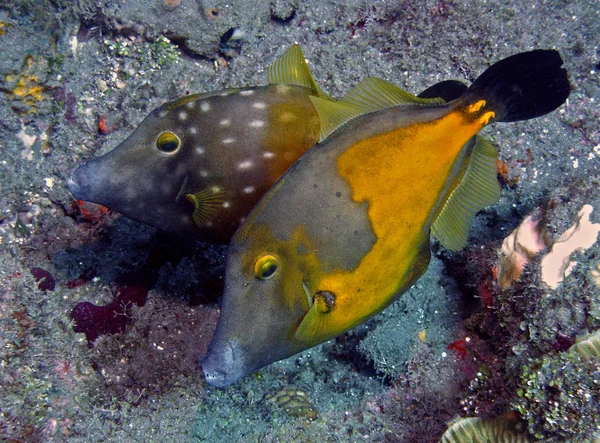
{"type": "Point", "coordinates": [198, 165]}
{"type": "Point", "coordinates": [346, 230]}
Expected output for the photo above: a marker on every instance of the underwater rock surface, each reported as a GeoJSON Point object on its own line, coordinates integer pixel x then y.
{"type": "Point", "coordinates": [77, 77]}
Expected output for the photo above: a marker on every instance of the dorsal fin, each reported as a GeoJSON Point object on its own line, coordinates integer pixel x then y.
{"type": "Point", "coordinates": [370, 95]}
{"type": "Point", "coordinates": [291, 69]}
{"type": "Point", "coordinates": [332, 114]}
{"type": "Point", "coordinates": [478, 188]}
{"type": "Point", "coordinates": [373, 94]}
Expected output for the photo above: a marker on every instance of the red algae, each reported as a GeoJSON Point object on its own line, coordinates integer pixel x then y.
{"type": "Point", "coordinates": [112, 318]}
{"type": "Point", "coordinates": [44, 279]}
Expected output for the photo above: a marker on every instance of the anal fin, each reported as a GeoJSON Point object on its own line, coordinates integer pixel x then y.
{"type": "Point", "coordinates": [478, 188]}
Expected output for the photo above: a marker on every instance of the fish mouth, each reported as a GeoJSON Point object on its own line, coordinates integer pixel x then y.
{"type": "Point", "coordinates": [223, 365]}
{"type": "Point", "coordinates": [78, 185]}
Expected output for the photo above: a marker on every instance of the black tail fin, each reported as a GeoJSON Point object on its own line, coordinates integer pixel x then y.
{"type": "Point", "coordinates": [523, 86]}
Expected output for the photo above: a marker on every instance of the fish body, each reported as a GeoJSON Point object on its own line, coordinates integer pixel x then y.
{"type": "Point", "coordinates": [347, 229]}
{"type": "Point", "coordinates": [198, 165]}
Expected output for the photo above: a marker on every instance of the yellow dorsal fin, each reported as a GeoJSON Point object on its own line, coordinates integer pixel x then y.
{"type": "Point", "coordinates": [207, 205]}
{"type": "Point", "coordinates": [477, 189]}
{"type": "Point", "coordinates": [291, 69]}
{"type": "Point", "coordinates": [332, 114]}
{"type": "Point", "coordinates": [370, 95]}
{"type": "Point", "coordinates": [373, 94]}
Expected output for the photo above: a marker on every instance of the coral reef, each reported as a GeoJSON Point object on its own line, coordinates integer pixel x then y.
{"type": "Point", "coordinates": [534, 319]}
{"type": "Point", "coordinates": [559, 397]}
{"type": "Point", "coordinates": [557, 264]}
{"type": "Point", "coordinates": [159, 351]}
{"type": "Point", "coordinates": [26, 88]}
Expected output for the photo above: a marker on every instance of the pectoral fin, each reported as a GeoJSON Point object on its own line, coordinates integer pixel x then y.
{"type": "Point", "coordinates": [207, 205]}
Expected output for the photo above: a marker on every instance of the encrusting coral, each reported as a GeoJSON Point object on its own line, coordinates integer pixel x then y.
{"type": "Point", "coordinates": [531, 237]}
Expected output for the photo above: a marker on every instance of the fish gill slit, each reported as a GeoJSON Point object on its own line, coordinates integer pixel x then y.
{"type": "Point", "coordinates": [309, 297]}
{"type": "Point", "coordinates": [182, 189]}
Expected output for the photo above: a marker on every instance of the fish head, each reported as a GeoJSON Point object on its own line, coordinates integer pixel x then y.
{"type": "Point", "coordinates": [266, 297]}
{"type": "Point", "coordinates": [145, 177]}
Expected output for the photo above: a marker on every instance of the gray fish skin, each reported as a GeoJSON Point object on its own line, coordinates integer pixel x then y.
{"type": "Point", "coordinates": [239, 141]}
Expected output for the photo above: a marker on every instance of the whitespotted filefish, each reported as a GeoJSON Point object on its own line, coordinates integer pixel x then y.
{"type": "Point", "coordinates": [198, 165]}
{"type": "Point", "coordinates": [346, 230]}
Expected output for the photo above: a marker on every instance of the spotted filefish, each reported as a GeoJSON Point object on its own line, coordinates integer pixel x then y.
{"type": "Point", "coordinates": [198, 165]}
{"type": "Point", "coordinates": [346, 230]}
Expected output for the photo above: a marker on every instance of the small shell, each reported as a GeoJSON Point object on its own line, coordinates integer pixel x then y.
{"type": "Point", "coordinates": [294, 402]}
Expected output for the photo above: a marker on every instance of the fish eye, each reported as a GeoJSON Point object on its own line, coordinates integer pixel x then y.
{"type": "Point", "coordinates": [167, 142]}
{"type": "Point", "coordinates": [265, 267]}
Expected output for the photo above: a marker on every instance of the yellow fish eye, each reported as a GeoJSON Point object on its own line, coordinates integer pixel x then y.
{"type": "Point", "coordinates": [265, 267]}
{"type": "Point", "coordinates": [167, 142]}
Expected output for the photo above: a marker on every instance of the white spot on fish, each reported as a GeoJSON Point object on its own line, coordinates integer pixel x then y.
{"type": "Point", "coordinates": [190, 105]}
{"type": "Point", "coordinates": [287, 117]}
{"type": "Point", "coordinates": [162, 114]}
{"type": "Point", "coordinates": [256, 123]}
{"type": "Point", "coordinates": [249, 189]}
{"type": "Point", "coordinates": [228, 141]}
{"type": "Point", "coordinates": [259, 105]}
{"type": "Point", "coordinates": [183, 116]}
{"type": "Point", "coordinates": [200, 150]}
{"type": "Point", "coordinates": [180, 170]}
{"type": "Point", "coordinates": [247, 92]}
{"type": "Point", "coordinates": [246, 164]}
{"type": "Point", "coordinates": [226, 205]}
{"type": "Point", "coordinates": [268, 154]}
{"type": "Point", "coordinates": [204, 173]}
{"type": "Point", "coordinates": [225, 122]}
{"type": "Point", "coordinates": [205, 106]}
{"type": "Point", "coordinates": [193, 130]}
{"type": "Point", "coordinates": [282, 89]}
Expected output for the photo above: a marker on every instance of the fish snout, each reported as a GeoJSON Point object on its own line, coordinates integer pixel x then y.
{"type": "Point", "coordinates": [223, 365]}
{"type": "Point", "coordinates": [78, 182]}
